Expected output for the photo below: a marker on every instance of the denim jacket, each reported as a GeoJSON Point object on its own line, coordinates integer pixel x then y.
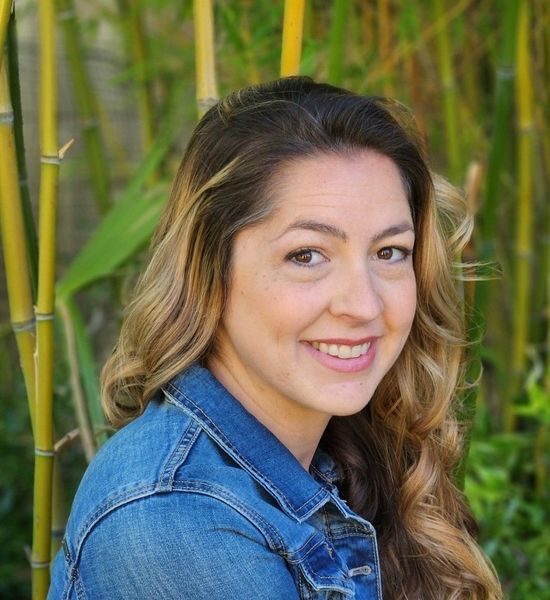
{"type": "Point", "coordinates": [195, 499]}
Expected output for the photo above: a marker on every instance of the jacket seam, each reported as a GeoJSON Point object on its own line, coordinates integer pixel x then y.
{"type": "Point", "coordinates": [178, 456]}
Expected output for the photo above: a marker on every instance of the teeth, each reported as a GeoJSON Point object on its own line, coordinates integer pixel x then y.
{"type": "Point", "coordinates": [342, 350]}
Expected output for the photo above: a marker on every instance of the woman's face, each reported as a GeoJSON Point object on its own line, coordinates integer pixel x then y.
{"type": "Point", "coordinates": [322, 294]}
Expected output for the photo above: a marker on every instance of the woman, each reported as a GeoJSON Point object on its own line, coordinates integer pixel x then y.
{"type": "Point", "coordinates": [289, 366]}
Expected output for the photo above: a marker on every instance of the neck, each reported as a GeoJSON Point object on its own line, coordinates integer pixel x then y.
{"type": "Point", "coordinates": [298, 428]}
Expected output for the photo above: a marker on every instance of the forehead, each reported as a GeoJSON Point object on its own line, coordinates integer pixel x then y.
{"type": "Point", "coordinates": [363, 185]}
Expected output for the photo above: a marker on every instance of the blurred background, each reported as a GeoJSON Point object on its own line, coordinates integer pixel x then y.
{"type": "Point", "coordinates": [475, 74]}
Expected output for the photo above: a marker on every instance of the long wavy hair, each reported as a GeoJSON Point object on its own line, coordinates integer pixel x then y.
{"type": "Point", "coordinates": [397, 455]}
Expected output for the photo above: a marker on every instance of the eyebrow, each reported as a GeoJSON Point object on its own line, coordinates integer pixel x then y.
{"type": "Point", "coordinates": [338, 233]}
{"type": "Point", "coordinates": [319, 228]}
{"type": "Point", "coordinates": [393, 230]}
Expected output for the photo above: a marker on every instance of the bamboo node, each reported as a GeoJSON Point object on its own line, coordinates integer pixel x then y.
{"type": "Point", "coordinates": [50, 160]}
{"type": "Point", "coordinates": [23, 326]}
{"type": "Point", "coordinates": [39, 564]}
{"type": "Point", "coordinates": [6, 117]}
{"type": "Point", "coordinates": [47, 453]}
{"type": "Point", "coordinates": [44, 316]}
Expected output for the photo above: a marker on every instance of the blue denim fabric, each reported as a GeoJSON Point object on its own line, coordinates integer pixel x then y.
{"type": "Point", "coordinates": [196, 499]}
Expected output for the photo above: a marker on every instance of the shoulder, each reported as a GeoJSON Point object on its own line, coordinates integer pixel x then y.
{"type": "Point", "coordinates": [179, 545]}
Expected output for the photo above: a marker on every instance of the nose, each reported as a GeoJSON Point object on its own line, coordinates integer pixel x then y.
{"type": "Point", "coordinates": [357, 295]}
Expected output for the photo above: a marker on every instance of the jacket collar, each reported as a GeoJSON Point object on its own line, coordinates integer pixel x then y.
{"type": "Point", "coordinates": [251, 444]}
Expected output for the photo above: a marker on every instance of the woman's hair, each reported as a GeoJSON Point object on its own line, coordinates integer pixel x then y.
{"type": "Point", "coordinates": [397, 456]}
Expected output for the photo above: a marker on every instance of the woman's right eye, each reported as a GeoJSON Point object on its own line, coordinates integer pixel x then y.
{"type": "Point", "coordinates": [306, 257]}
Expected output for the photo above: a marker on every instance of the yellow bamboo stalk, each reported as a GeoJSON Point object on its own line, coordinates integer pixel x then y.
{"type": "Point", "coordinates": [44, 442]}
{"type": "Point", "coordinates": [13, 240]}
{"type": "Point", "coordinates": [5, 10]}
{"type": "Point", "coordinates": [293, 24]}
{"type": "Point", "coordinates": [524, 214]}
{"type": "Point", "coordinates": [205, 64]}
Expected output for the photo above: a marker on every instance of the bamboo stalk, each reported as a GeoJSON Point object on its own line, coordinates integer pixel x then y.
{"type": "Point", "coordinates": [15, 94]}
{"type": "Point", "coordinates": [135, 37]}
{"type": "Point", "coordinates": [16, 230]}
{"type": "Point", "coordinates": [292, 37]}
{"type": "Point", "coordinates": [44, 442]}
{"type": "Point", "coordinates": [205, 67]}
{"type": "Point", "coordinates": [86, 103]}
{"type": "Point", "coordinates": [524, 212]}
{"type": "Point", "coordinates": [340, 13]}
{"type": "Point", "coordinates": [252, 64]}
{"type": "Point", "coordinates": [79, 401]}
{"type": "Point", "coordinates": [450, 101]}
{"type": "Point", "coordinates": [384, 44]}
{"type": "Point", "coordinates": [85, 368]}
{"type": "Point", "coordinates": [14, 245]}
{"type": "Point", "coordinates": [5, 10]}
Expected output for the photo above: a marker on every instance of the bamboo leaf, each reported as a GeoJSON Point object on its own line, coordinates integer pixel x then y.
{"type": "Point", "coordinates": [123, 231]}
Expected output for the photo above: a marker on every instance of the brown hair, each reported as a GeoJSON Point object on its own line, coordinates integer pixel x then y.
{"type": "Point", "coordinates": [397, 455]}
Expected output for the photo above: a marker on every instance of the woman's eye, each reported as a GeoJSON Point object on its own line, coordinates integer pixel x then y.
{"type": "Point", "coordinates": [393, 254]}
{"type": "Point", "coordinates": [306, 257]}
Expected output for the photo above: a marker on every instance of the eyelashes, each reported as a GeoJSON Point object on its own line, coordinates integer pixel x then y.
{"type": "Point", "coordinates": [389, 253]}
{"type": "Point", "coordinates": [311, 257]}
{"type": "Point", "coordinates": [306, 257]}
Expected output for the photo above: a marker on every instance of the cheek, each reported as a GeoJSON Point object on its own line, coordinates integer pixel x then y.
{"type": "Point", "coordinates": [401, 306]}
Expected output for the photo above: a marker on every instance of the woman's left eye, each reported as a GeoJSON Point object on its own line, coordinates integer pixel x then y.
{"type": "Point", "coordinates": [306, 257]}
{"type": "Point", "coordinates": [393, 254]}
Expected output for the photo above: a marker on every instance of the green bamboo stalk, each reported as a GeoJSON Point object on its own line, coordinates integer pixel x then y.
{"type": "Point", "coordinates": [44, 442]}
{"type": "Point", "coordinates": [293, 23]}
{"type": "Point", "coordinates": [205, 67]}
{"type": "Point", "coordinates": [410, 24]}
{"type": "Point", "coordinates": [86, 103]}
{"type": "Point", "coordinates": [502, 132]}
{"type": "Point", "coordinates": [15, 93]}
{"type": "Point", "coordinates": [337, 46]}
{"type": "Point", "coordinates": [384, 45]}
{"type": "Point", "coordinates": [87, 370]}
{"type": "Point", "coordinates": [450, 100]}
{"type": "Point", "coordinates": [524, 213]}
{"type": "Point", "coordinates": [137, 48]}
{"type": "Point", "coordinates": [82, 416]}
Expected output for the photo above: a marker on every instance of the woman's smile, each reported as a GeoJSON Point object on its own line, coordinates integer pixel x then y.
{"type": "Point", "coordinates": [343, 357]}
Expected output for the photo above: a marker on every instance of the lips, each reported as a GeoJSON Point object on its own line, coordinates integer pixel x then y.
{"type": "Point", "coordinates": [344, 351]}
{"type": "Point", "coordinates": [343, 355]}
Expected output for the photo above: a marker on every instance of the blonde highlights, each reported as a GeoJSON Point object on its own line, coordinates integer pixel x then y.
{"type": "Point", "coordinates": [397, 456]}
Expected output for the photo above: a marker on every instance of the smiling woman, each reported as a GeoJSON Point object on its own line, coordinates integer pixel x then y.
{"type": "Point", "coordinates": [289, 366]}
